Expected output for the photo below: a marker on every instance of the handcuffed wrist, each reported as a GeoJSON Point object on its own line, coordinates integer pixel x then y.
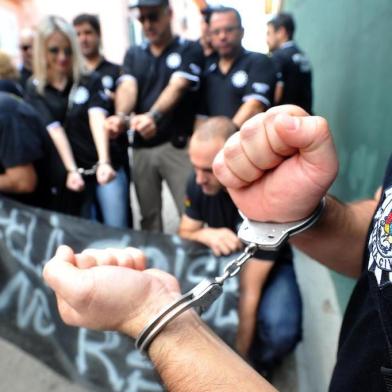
{"type": "Point", "coordinates": [123, 116]}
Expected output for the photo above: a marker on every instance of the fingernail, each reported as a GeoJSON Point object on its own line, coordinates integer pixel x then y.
{"type": "Point", "coordinates": [289, 122]}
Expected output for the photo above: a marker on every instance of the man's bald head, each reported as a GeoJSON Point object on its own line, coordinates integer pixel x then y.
{"type": "Point", "coordinates": [214, 128]}
{"type": "Point", "coordinates": [205, 144]}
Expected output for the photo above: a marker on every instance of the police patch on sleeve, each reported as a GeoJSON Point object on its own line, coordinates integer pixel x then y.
{"type": "Point", "coordinates": [380, 242]}
{"type": "Point", "coordinates": [174, 60]}
{"type": "Point", "coordinates": [239, 79]}
{"type": "Point", "coordinates": [261, 88]}
{"type": "Point", "coordinates": [81, 95]}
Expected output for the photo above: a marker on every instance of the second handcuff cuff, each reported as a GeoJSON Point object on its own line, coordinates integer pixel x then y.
{"type": "Point", "coordinates": [257, 235]}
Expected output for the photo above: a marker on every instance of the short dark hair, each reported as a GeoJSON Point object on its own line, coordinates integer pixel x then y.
{"type": "Point", "coordinates": [224, 10]}
{"type": "Point", "coordinates": [91, 19]}
{"type": "Point", "coordinates": [285, 20]}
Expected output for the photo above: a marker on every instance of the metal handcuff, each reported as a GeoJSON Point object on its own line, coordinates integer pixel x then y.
{"type": "Point", "coordinates": [257, 235]}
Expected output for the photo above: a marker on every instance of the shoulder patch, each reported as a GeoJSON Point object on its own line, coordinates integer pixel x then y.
{"type": "Point", "coordinates": [380, 242]}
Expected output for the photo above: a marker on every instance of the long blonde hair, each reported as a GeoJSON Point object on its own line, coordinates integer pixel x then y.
{"type": "Point", "coordinates": [45, 29]}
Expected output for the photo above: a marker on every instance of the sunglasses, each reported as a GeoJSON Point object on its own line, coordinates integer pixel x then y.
{"type": "Point", "coordinates": [55, 50]}
{"type": "Point", "coordinates": [25, 48]}
{"type": "Point", "coordinates": [151, 17]}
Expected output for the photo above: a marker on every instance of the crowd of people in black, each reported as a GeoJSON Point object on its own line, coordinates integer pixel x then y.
{"type": "Point", "coordinates": [68, 118]}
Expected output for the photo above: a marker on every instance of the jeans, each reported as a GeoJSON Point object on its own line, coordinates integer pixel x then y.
{"type": "Point", "coordinates": [279, 318]}
{"type": "Point", "coordinates": [110, 201]}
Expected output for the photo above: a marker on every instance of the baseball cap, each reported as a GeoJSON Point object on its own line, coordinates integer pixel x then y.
{"type": "Point", "coordinates": [147, 3]}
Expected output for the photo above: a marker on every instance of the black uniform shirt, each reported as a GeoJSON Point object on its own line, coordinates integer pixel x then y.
{"type": "Point", "coordinates": [69, 108]}
{"type": "Point", "coordinates": [294, 71]}
{"type": "Point", "coordinates": [152, 74]}
{"type": "Point", "coordinates": [363, 347]}
{"type": "Point", "coordinates": [23, 141]}
{"type": "Point", "coordinates": [25, 74]}
{"type": "Point", "coordinates": [109, 73]}
{"type": "Point", "coordinates": [252, 76]}
{"type": "Point", "coordinates": [219, 211]}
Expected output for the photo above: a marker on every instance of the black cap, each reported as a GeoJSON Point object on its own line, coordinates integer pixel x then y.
{"type": "Point", "coordinates": [147, 3]}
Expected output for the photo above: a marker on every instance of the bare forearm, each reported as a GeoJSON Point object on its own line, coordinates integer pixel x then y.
{"type": "Point", "coordinates": [338, 239]}
{"type": "Point", "coordinates": [205, 362]}
{"type": "Point", "coordinates": [171, 95]}
{"type": "Point", "coordinates": [101, 138]}
{"type": "Point", "coordinates": [63, 148]}
{"type": "Point", "coordinates": [247, 110]}
{"type": "Point", "coordinates": [125, 97]}
{"type": "Point", "coordinates": [20, 179]}
{"type": "Point", "coordinates": [199, 235]}
{"type": "Point", "coordinates": [252, 280]}
{"type": "Point", "coordinates": [278, 94]}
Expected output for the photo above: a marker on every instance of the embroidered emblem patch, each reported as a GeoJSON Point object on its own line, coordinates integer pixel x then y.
{"type": "Point", "coordinates": [239, 79]}
{"type": "Point", "coordinates": [81, 95]}
{"type": "Point", "coordinates": [173, 60]}
{"type": "Point", "coordinates": [380, 242]}
{"type": "Point", "coordinates": [107, 82]}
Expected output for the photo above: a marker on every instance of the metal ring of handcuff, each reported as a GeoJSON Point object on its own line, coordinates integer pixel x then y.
{"type": "Point", "coordinates": [257, 235]}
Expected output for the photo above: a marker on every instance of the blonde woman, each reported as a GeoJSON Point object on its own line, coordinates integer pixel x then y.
{"type": "Point", "coordinates": [73, 107]}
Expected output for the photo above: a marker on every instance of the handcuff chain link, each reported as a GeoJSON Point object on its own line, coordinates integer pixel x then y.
{"type": "Point", "coordinates": [234, 267]}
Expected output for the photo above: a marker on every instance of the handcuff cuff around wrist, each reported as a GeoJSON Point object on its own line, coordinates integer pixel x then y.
{"type": "Point", "coordinates": [257, 235]}
{"type": "Point", "coordinates": [91, 171]}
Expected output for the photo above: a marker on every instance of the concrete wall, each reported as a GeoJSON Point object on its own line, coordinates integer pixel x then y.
{"type": "Point", "coordinates": [348, 43]}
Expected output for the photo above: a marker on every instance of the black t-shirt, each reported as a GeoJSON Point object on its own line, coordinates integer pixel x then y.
{"type": "Point", "coordinates": [109, 73]}
{"type": "Point", "coordinates": [25, 74]}
{"type": "Point", "coordinates": [181, 57]}
{"type": "Point", "coordinates": [363, 346]}
{"type": "Point", "coordinates": [23, 140]}
{"type": "Point", "coordinates": [294, 71]}
{"type": "Point", "coordinates": [219, 211]}
{"type": "Point", "coordinates": [70, 108]}
{"type": "Point", "coordinates": [252, 76]}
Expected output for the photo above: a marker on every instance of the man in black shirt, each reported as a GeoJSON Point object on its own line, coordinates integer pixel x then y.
{"type": "Point", "coordinates": [26, 41]}
{"type": "Point", "coordinates": [88, 30]}
{"type": "Point", "coordinates": [24, 160]}
{"type": "Point", "coordinates": [158, 85]}
{"type": "Point", "coordinates": [294, 71]}
{"type": "Point", "coordinates": [237, 83]}
{"type": "Point", "coordinates": [267, 332]}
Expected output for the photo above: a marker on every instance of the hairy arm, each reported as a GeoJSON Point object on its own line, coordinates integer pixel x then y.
{"type": "Point", "coordinates": [338, 239]}
{"type": "Point", "coordinates": [18, 179]}
{"type": "Point", "coordinates": [206, 363]}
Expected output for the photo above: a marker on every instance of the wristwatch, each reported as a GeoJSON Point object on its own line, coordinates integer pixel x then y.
{"type": "Point", "coordinates": [156, 115]}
